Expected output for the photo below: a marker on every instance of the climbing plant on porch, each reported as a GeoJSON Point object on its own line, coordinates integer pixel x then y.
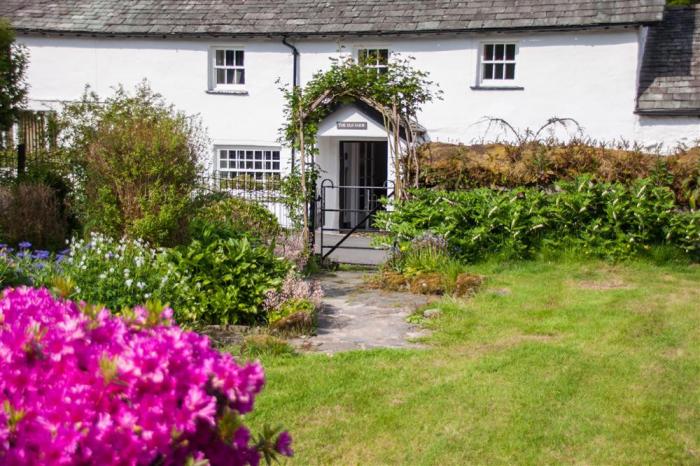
{"type": "Point", "coordinates": [397, 92]}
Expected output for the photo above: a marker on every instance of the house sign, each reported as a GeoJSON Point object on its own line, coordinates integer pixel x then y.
{"type": "Point", "coordinates": [351, 124]}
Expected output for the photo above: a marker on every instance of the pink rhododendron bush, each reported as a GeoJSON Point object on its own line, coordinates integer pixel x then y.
{"type": "Point", "coordinates": [81, 386]}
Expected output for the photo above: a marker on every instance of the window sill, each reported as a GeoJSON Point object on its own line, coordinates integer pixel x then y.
{"type": "Point", "coordinates": [227, 92]}
{"type": "Point", "coordinates": [497, 88]}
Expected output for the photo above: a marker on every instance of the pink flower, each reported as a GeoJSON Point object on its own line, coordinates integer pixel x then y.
{"type": "Point", "coordinates": [103, 390]}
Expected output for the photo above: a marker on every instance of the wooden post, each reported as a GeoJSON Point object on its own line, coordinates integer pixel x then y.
{"type": "Point", "coordinates": [302, 173]}
{"type": "Point", "coordinates": [21, 159]}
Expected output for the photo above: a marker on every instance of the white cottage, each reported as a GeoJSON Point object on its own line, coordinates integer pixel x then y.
{"type": "Point", "coordinates": [624, 69]}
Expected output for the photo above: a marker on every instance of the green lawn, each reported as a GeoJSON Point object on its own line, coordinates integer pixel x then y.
{"type": "Point", "coordinates": [585, 363]}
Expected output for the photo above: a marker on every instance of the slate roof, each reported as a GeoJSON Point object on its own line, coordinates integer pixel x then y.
{"type": "Point", "coordinates": [669, 80]}
{"type": "Point", "coordinates": [317, 17]}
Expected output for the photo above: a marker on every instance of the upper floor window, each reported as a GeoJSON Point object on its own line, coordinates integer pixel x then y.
{"type": "Point", "coordinates": [377, 59]}
{"type": "Point", "coordinates": [498, 63]}
{"type": "Point", "coordinates": [228, 68]}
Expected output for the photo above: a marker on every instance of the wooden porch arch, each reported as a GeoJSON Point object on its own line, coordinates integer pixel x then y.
{"type": "Point", "coordinates": [397, 94]}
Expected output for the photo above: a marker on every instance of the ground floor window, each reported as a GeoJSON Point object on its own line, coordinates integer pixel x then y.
{"type": "Point", "coordinates": [248, 165]}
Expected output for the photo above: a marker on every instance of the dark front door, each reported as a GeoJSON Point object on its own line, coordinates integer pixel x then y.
{"type": "Point", "coordinates": [363, 180]}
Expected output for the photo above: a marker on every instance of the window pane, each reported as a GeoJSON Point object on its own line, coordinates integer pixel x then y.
{"type": "Point", "coordinates": [232, 154]}
{"type": "Point", "coordinates": [239, 57]}
{"type": "Point", "coordinates": [362, 56]}
{"type": "Point", "coordinates": [275, 155]}
{"type": "Point", "coordinates": [220, 76]}
{"type": "Point", "coordinates": [510, 71]}
{"type": "Point", "coordinates": [241, 164]}
{"type": "Point", "coordinates": [240, 76]}
{"type": "Point", "coordinates": [268, 165]}
{"type": "Point", "coordinates": [498, 73]}
{"type": "Point", "coordinates": [241, 154]}
{"type": "Point", "coordinates": [229, 76]}
{"type": "Point", "coordinates": [268, 155]}
{"type": "Point", "coordinates": [249, 154]}
{"type": "Point", "coordinates": [229, 58]}
{"type": "Point", "coordinates": [488, 52]}
{"type": "Point", "coordinates": [510, 52]}
{"type": "Point", "coordinates": [222, 154]}
{"type": "Point", "coordinates": [258, 165]}
{"type": "Point", "coordinates": [219, 58]}
{"type": "Point", "coordinates": [249, 164]}
{"type": "Point", "coordinates": [488, 71]}
{"type": "Point", "coordinates": [223, 164]}
{"type": "Point", "coordinates": [275, 165]}
{"type": "Point", "coordinates": [383, 56]}
{"type": "Point", "coordinates": [499, 51]}
{"type": "Point", "coordinates": [258, 155]}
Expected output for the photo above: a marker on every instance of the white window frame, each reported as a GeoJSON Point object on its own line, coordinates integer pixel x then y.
{"type": "Point", "coordinates": [258, 163]}
{"type": "Point", "coordinates": [495, 82]}
{"type": "Point", "coordinates": [213, 67]}
{"type": "Point", "coordinates": [376, 66]}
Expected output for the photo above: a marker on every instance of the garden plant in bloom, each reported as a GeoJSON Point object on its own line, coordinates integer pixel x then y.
{"type": "Point", "coordinates": [79, 385]}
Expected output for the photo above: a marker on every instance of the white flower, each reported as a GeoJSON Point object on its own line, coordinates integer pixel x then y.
{"type": "Point", "coordinates": [141, 285]}
{"type": "Point", "coordinates": [102, 276]}
{"type": "Point", "coordinates": [129, 282]}
{"type": "Point", "coordinates": [147, 295]}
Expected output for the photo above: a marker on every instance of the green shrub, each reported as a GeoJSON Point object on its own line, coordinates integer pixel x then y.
{"type": "Point", "coordinates": [600, 219]}
{"type": "Point", "coordinates": [236, 217]}
{"type": "Point", "coordinates": [226, 279]}
{"type": "Point", "coordinates": [118, 274]}
{"type": "Point", "coordinates": [140, 162]}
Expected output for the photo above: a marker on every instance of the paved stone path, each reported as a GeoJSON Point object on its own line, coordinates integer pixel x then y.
{"type": "Point", "coordinates": [355, 317]}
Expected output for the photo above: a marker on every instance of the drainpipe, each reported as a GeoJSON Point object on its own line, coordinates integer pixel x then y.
{"type": "Point", "coordinates": [295, 75]}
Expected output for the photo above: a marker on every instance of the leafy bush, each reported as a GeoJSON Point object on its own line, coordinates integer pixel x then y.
{"type": "Point", "coordinates": [424, 265]}
{"type": "Point", "coordinates": [117, 273]}
{"type": "Point", "coordinates": [224, 279]}
{"type": "Point", "coordinates": [211, 281]}
{"type": "Point", "coordinates": [537, 163]}
{"type": "Point", "coordinates": [602, 219]}
{"type": "Point", "coordinates": [32, 211]}
{"type": "Point", "coordinates": [141, 160]}
{"type": "Point", "coordinates": [80, 386]}
{"type": "Point", "coordinates": [235, 217]}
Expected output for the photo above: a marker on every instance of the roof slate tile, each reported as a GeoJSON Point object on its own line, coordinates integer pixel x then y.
{"type": "Point", "coordinates": [310, 17]}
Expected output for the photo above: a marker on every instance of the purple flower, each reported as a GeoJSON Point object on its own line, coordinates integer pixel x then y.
{"type": "Point", "coordinates": [3, 246]}
{"type": "Point", "coordinates": [283, 445]}
{"type": "Point", "coordinates": [40, 254]}
{"type": "Point", "coordinates": [25, 245]}
{"type": "Point", "coordinates": [60, 258]}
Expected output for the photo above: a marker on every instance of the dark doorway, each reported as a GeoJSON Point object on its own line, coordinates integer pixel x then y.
{"type": "Point", "coordinates": [363, 180]}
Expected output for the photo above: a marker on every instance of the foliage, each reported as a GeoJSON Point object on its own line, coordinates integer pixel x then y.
{"type": "Point", "coordinates": [34, 212]}
{"type": "Point", "coordinates": [237, 217]}
{"type": "Point", "coordinates": [425, 265]}
{"type": "Point", "coordinates": [13, 87]}
{"type": "Point", "coordinates": [256, 346]}
{"type": "Point", "coordinates": [118, 274]}
{"type": "Point", "coordinates": [80, 386]}
{"type": "Point", "coordinates": [600, 219]}
{"type": "Point", "coordinates": [224, 279]}
{"type": "Point", "coordinates": [544, 162]}
{"type": "Point", "coordinates": [141, 159]}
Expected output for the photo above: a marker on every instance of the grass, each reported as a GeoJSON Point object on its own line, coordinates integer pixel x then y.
{"type": "Point", "coordinates": [551, 363]}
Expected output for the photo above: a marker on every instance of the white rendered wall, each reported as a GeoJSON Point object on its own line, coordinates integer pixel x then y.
{"type": "Point", "coordinates": [586, 75]}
